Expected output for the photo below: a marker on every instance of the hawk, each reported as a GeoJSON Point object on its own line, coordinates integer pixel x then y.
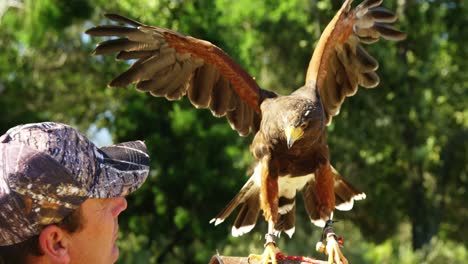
{"type": "Point", "coordinates": [290, 147]}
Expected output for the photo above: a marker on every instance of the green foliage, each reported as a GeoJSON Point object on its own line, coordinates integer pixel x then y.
{"type": "Point", "coordinates": [404, 143]}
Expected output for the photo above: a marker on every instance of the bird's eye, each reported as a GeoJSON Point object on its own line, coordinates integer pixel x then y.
{"type": "Point", "coordinates": [307, 113]}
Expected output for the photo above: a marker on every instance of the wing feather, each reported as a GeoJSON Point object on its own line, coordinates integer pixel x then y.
{"type": "Point", "coordinates": [220, 98]}
{"type": "Point", "coordinates": [340, 64]}
{"type": "Point", "coordinates": [145, 68]}
{"type": "Point", "coordinates": [170, 64]}
{"type": "Point", "coordinates": [158, 85]}
{"type": "Point", "coordinates": [204, 80]}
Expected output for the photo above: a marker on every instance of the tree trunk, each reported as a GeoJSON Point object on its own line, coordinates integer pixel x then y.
{"type": "Point", "coordinates": [423, 213]}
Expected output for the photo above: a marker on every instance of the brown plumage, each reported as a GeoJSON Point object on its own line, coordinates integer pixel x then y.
{"type": "Point", "coordinates": [290, 145]}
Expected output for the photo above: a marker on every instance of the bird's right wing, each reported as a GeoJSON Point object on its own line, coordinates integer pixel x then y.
{"type": "Point", "coordinates": [170, 64]}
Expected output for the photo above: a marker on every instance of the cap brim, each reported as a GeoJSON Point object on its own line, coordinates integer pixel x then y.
{"type": "Point", "coordinates": [123, 169]}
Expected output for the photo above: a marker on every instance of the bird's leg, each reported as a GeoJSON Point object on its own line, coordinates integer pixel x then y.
{"type": "Point", "coordinates": [330, 246]}
{"type": "Point", "coordinates": [269, 255]}
{"type": "Point", "coordinates": [269, 205]}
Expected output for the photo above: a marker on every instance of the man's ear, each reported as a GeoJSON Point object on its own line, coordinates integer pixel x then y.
{"type": "Point", "coordinates": [54, 243]}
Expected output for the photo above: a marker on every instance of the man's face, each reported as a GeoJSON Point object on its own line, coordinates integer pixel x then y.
{"type": "Point", "coordinates": [95, 241]}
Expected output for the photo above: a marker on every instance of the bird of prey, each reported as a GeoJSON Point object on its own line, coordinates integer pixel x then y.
{"type": "Point", "coordinates": [290, 148]}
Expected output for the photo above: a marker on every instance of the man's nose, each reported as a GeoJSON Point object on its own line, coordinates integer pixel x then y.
{"type": "Point", "coordinates": [120, 204]}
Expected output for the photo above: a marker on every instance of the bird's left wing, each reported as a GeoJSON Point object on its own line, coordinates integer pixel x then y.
{"type": "Point", "coordinates": [170, 64]}
{"type": "Point", "coordinates": [340, 63]}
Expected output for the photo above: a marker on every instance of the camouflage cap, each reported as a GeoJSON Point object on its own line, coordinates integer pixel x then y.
{"type": "Point", "coordinates": [47, 170]}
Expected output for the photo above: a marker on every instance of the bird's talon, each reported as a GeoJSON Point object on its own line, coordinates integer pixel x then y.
{"type": "Point", "coordinates": [333, 251]}
{"type": "Point", "coordinates": [268, 256]}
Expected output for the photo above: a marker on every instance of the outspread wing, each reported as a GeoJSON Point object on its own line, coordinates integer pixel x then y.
{"type": "Point", "coordinates": [170, 64]}
{"type": "Point", "coordinates": [340, 63]}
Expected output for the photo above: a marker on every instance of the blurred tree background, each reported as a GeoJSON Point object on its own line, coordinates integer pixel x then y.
{"type": "Point", "coordinates": [404, 143]}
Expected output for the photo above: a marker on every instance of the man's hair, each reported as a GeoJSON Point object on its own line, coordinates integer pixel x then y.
{"type": "Point", "coordinates": [18, 253]}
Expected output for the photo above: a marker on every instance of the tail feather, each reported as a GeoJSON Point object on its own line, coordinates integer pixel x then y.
{"type": "Point", "coordinates": [345, 195]}
{"type": "Point", "coordinates": [248, 215]}
{"type": "Point", "coordinates": [286, 222]}
{"type": "Point", "coordinates": [240, 198]}
{"type": "Point", "coordinates": [311, 204]}
{"type": "Point", "coordinates": [249, 200]}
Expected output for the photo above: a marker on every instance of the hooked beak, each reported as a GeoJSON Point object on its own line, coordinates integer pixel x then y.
{"type": "Point", "coordinates": [293, 134]}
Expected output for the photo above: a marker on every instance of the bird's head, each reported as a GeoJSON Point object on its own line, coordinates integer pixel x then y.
{"type": "Point", "coordinates": [304, 119]}
{"type": "Point", "coordinates": [293, 118]}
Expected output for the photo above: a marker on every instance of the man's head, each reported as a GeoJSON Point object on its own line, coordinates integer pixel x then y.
{"type": "Point", "coordinates": [51, 176]}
